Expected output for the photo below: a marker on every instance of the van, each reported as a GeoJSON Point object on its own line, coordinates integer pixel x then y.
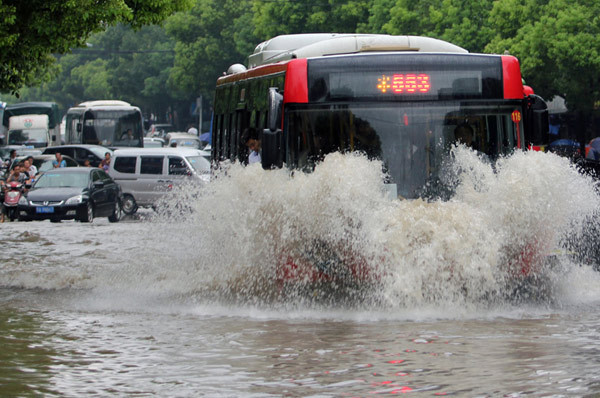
{"type": "Point", "coordinates": [146, 174]}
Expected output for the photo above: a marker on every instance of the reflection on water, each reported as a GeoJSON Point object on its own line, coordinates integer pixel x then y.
{"type": "Point", "coordinates": [187, 305]}
{"type": "Point", "coordinates": [26, 356]}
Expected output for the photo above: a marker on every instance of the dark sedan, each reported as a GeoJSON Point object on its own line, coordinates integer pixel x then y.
{"type": "Point", "coordinates": [79, 193]}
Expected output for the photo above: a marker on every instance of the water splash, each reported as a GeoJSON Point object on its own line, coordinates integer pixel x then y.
{"type": "Point", "coordinates": [467, 250]}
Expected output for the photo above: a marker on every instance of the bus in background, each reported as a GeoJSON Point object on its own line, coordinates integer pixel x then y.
{"type": "Point", "coordinates": [401, 99]}
{"type": "Point", "coordinates": [110, 123]}
{"type": "Point", "coordinates": [32, 124]}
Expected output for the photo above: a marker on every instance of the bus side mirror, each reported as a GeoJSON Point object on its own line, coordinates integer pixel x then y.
{"type": "Point", "coordinates": [271, 149]}
{"type": "Point", "coordinates": [275, 108]}
{"type": "Point", "coordinates": [271, 141]}
{"type": "Point", "coordinates": [536, 120]}
{"type": "Point", "coordinates": [79, 127]}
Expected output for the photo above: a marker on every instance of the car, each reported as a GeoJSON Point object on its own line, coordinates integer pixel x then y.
{"type": "Point", "coordinates": [44, 162]}
{"type": "Point", "coordinates": [80, 193]}
{"type": "Point", "coordinates": [147, 174]}
{"type": "Point", "coordinates": [180, 139]}
{"type": "Point", "coordinates": [81, 152]}
{"type": "Point", "coordinates": [21, 151]}
{"type": "Point", "coordinates": [153, 142]}
{"type": "Point", "coordinates": [160, 130]}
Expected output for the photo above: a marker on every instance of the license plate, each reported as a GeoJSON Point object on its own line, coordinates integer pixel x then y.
{"type": "Point", "coordinates": [44, 209]}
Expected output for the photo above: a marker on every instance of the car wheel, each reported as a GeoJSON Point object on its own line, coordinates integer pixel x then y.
{"type": "Point", "coordinates": [117, 212]}
{"type": "Point", "coordinates": [88, 216]}
{"type": "Point", "coordinates": [129, 206]}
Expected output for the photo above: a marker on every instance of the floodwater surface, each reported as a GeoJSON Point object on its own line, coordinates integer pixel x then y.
{"type": "Point", "coordinates": [185, 304]}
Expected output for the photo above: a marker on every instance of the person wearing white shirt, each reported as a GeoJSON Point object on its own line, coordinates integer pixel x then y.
{"type": "Point", "coordinates": [251, 140]}
{"type": "Point", "coordinates": [193, 130]}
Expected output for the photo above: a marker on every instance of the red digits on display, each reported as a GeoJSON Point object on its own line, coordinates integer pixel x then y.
{"type": "Point", "coordinates": [405, 83]}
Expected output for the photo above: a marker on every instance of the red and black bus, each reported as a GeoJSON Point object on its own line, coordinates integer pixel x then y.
{"type": "Point", "coordinates": [395, 98]}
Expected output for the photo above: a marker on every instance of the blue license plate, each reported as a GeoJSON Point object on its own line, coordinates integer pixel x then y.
{"type": "Point", "coordinates": [44, 209]}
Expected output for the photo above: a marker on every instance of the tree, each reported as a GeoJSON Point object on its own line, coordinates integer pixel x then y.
{"type": "Point", "coordinates": [210, 37]}
{"type": "Point", "coordinates": [31, 31]}
{"type": "Point", "coordinates": [461, 22]}
{"type": "Point", "coordinates": [273, 18]}
{"type": "Point", "coordinates": [557, 44]}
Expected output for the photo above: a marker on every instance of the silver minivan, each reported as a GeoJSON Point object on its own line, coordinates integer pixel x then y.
{"type": "Point", "coordinates": [146, 174]}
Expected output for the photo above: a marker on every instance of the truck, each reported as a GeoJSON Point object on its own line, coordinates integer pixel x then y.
{"type": "Point", "coordinates": [32, 124]}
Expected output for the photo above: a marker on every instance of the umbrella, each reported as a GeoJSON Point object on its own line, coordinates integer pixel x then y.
{"type": "Point", "coordinates": [206, 137]}
{"type": "Point", "coordinates": [564, 142]}
{"type": "Point", "coordinates": [565, 147]}
{"type": "Point", "coordinates": [593, 149]}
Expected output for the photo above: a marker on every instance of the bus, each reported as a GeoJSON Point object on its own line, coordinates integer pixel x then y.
{"type": "Point", "coordinates": [400, 99]}
{"type": "Point", "coordinates": [312, 94]}
{"type": "Point", "coordinates": [110, 123]}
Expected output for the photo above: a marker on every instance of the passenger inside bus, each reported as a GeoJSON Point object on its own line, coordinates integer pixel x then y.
{"type": "Point", "coordinates": [252, 141]}
{"type": "Point", "coordinates": [127, 136]}
{"type": "Point", "coordinates": [464, 135]}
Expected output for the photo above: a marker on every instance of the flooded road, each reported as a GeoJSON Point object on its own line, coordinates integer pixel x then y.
{"type": "Point", "coordinates": [183, 306]}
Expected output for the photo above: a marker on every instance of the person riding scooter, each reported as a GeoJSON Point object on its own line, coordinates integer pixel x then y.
{"type": "Point", "coordinates": [12, 191]}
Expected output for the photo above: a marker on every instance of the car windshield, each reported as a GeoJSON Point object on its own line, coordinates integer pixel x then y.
{"type": "Point", "coordinates": [57, 180]}
{"type": "Point", "coordinates": [410, 139]}
{"type": "Point", "coordinates": [153, 144]}
{"type": "Point", "coordinates": [199, 163]}
{"type": "Point", "coordinates": [34, 137]}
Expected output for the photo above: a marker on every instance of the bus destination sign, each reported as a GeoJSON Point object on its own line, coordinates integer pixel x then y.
{"type": "Point", "coordinates": [404, 83]}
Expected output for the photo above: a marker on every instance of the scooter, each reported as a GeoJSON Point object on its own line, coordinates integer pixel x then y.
{"type": "Point", "coordinates": [12, 194]}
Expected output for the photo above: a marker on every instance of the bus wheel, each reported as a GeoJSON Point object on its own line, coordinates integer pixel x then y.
{"type": "Point", "coordinates": [129, 205]}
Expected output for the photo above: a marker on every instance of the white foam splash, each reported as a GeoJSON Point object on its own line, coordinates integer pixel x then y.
{"type": "Point", "coordinates": [458, 251]}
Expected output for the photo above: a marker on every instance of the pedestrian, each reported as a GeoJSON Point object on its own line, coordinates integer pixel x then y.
{"type": "Point", "coordinates": [192, 130]}
{"type": "Point", "coordinates": [31, 169]}
{"type": "Point", "coordinates": [11, 159]}
{"type": "Point", "coordinates": [59, 162]}
{"type": "Point", "coordinates": [105, 163]}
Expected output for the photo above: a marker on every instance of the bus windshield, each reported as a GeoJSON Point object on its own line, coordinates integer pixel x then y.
{"type": "Point", "coordinates": [410, 138]}
{"type": "Point", "coordinates": [117, 128]}
{"type": "Point", "coordinates": [33, 137]}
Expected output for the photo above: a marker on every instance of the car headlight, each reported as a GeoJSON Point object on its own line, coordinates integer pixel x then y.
{"type": "Point", "coordinates": [75, 200]}
{"type": "Point", "coordinates": [23, 201]}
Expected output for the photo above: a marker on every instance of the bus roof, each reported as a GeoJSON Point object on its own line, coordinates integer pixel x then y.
{"type": "Point", "coordinates": [104, 103]}
{"type": "Point", "coordinates": [287, 47]}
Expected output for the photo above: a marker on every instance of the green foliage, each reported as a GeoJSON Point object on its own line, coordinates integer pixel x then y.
{"type": "Point", "coordinates": [272, 18]}
{"type": "Point", "coordinates": [557, 44]}
{"type": "Point", "coordinates": [31, 31]}
{"type": "Point", "coordinates": [462, 22]}
{"type": "Point", "coordinates": [211, 37]}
